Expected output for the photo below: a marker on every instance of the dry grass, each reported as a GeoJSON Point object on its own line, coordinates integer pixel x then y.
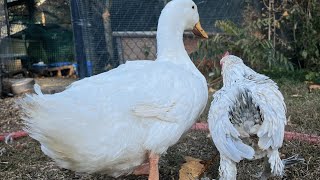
{"type": "Point", "coordinates": [23, 158]}
{"type": "Point", "coordinates": [303, 107]}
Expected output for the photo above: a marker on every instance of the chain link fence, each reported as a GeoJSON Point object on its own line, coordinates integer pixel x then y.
{"type": "Point", "coordinates": [93, 35]}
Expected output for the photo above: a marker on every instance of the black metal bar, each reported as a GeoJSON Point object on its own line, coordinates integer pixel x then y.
{"type": "Point", "coordinates": [1, 59]}
{"type": "Point", "coordinates": [1, 76]}
{"type": "Point", "coordinates": [7, 16]}
{"type": "Point", "coordinates": [31, 9]}
{"type": "Point", "coordinates": [80, 54]}
{"type": "Point", "coordinates": [1, 80]}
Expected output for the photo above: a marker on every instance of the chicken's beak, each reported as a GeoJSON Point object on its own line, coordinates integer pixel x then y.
{"type": "Point", "coordinates": [198, 31]}
{"type": "Point", "coordinates": [226, 54]}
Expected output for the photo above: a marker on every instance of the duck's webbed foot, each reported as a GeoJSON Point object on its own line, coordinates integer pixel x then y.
{"type": "Point", "coordinates": [143, 169]}
{"type": "Point", "coordinates": [149, 168]}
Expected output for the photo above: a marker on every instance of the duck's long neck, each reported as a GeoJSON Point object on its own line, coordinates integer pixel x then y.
{"type": "Point", "coordinates": [170, 44]}
{"type": "Point", "coordinates": [170, 39]}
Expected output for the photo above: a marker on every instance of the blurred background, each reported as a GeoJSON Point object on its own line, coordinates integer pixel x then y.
{"type": "Point", "coordinates": [93, 35]}
{"type": "Point", "coordinates": [98, 35]}
{"type": "Point", "coordinates": [49, 37]}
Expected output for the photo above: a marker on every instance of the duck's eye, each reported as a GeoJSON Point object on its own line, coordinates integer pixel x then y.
{"type": "Point", "coordinates": [192, 7]}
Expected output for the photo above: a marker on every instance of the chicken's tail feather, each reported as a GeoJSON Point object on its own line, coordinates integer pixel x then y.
{"type": "Point", "coordinates": [292, 160]}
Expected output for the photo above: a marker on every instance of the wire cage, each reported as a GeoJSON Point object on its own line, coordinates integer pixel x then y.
{"type": "Point", "coordinates": [93, 35]}
{"type": "Point", "coordinates": [118, 31]}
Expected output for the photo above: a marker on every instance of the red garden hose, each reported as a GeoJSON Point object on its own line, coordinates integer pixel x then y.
{"type": "Point", "coordinates": [14, 135]}
{"type": "Point", "coordinates": [312, 139]}
{"type": "Point", "coordinates": [289, 136]}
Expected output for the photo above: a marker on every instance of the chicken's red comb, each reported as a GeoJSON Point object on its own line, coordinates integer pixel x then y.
{"type": "Point", "coordinates": [226, 54]}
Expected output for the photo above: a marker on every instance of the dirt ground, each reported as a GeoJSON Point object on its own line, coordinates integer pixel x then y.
{"type": "Point", "coordinates": [23, 159]}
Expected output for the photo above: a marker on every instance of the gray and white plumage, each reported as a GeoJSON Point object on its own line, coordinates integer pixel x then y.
{"type": "Point", "coordinates": [247, 118]}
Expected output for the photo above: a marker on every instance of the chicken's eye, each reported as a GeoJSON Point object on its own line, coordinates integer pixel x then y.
{"type": "Point", "coordinates": [192, 7]}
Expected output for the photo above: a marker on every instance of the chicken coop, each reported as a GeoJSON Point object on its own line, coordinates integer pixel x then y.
{"type": "Point", "coordinates": [50, 37]}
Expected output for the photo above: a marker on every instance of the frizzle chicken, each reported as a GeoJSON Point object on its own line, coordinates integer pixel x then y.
{"type": "Point", "coordinates": [247, 119]}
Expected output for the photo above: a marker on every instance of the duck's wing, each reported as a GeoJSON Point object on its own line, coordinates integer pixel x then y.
{"type": "Point", "coordinates": [165, 120]}
{"type": "Point", "coordinates": [225, 136]}
{"type": "Point", "coordinates": [157, 111]}
{"type": "Point", "coordinates": [159, 100]}
{"type": "Point", "coordinates": [167, 115]}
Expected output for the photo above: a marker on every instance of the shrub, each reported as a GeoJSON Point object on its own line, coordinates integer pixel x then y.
{"type": "Point", "coordinates": [279, 38]}
{"type": "Point", "coordinates": [301, 32]}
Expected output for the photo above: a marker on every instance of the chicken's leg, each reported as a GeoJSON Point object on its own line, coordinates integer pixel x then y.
{"type": "Point", "coordinates": [266, 171]}
{"type": "Point", "coordinates": [227, 169]}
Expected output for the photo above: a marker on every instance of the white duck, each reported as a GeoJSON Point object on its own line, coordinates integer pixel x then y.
{"type": "Point", "coordinates": [247, 119]}
{"type": "Point", "coordinates": [113, 122]}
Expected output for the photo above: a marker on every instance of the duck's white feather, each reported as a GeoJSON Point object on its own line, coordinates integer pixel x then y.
{"type": "Point", "coordinates": [109, 122]}
{"type": "Point", "coordinates": [101, 122]}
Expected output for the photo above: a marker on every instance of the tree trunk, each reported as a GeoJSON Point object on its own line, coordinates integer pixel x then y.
{"type": "Point", "coordinates": [108, 32]}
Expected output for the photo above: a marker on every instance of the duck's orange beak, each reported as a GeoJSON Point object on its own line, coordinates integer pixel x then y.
{"type": "Point", "coordinates": [198, 31]}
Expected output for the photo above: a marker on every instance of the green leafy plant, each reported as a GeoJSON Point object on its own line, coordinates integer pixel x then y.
{"type": "Point", "coordinates": [313, 76]}
{"type": "Point", "coordinates": [301, 27]}
{"type": "Point", "coordinates": [282, 36]}
{"type": "Point", "coordinates": [247, 42]}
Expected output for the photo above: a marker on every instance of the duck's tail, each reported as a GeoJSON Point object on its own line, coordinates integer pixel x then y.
{"type": "Point", "coordinates": [42, 120]}
{"type": "Point", "coordinates": [31, 106]}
